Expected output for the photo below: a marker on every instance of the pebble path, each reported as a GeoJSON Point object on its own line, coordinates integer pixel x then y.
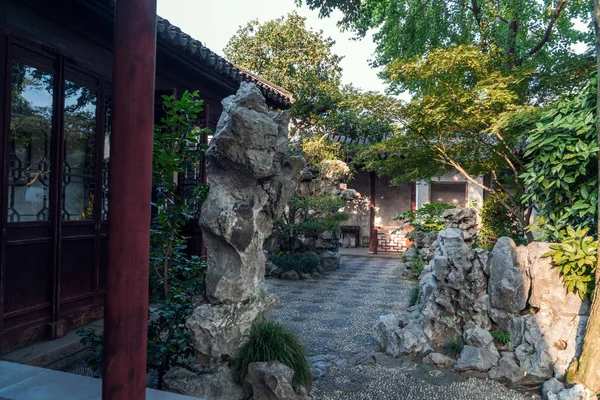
{"type": "Point", "coordinates": [333, 317]}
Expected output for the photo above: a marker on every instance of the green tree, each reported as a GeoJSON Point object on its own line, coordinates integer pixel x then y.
{"type": "Point", "coordinates": [466, 115]}
{"type": "Point", "coordinates": [537, 35]}
{"type": "Point", "coordinates": [287, 53]}
{"type": "Point", "coordinates": [363, 115]}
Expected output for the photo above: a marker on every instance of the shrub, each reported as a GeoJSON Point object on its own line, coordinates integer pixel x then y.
{"type": "Point", "coordinates": [502, 337]}
{"type": "Point", "coordinates": [454, 347]}
{"type": "Point", "coordinates": [310, 216]}
{"type": "Point", "coordinates": [428, 218]}
{"type": "Point", "coordinates": [496, 222]}
{"type": "Point", "coordinates": [93, 341]}
{"type": "Point", "coordinates": [418, 264]}
{"type": "Point", "coordinates": [414, 296]}
{"type": "Point", "coordinates": [270, 341]}
{"type": "Point", "coordinates": [575, 258]}
{"type": "Point", "coordinates": [561, 175]}
{"type": "Point", "coordinates": [299, 262]}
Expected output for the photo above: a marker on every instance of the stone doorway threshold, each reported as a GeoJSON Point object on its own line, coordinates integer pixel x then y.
{"type": "Point", "coordinates": [24, 382]}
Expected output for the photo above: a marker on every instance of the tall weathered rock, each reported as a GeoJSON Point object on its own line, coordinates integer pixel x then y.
{"type": "Point", "coordinates": [509, 281]}
{"type": "Point", "coordinates": [251, 177]}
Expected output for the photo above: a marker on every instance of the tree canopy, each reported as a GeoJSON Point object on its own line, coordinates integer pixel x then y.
{"type": "Point", "coordinates": [466, 115]}
{"type": "Point", "coordinates": [536, 35]}
{"type": "Point", "coordinates": [287, 53]}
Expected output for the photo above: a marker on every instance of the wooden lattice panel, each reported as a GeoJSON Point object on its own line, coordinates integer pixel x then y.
{"type": "Point", "coordinates": [391, 242]}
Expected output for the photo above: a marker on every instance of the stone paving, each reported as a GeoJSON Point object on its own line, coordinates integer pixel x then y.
{"type": "Point", "coordinates": [333, 317]}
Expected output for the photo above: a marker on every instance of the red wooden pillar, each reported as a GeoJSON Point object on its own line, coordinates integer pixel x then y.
{"type": "Point", "coordinates": [373, 231]}
{"type": "Point", "coordinates": [413, 196]}
{"type": "Point", "coordinates": [126, 312]}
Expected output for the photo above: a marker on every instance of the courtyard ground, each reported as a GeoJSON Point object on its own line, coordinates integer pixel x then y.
{"type": "Point", "coordinates": [333, 317]}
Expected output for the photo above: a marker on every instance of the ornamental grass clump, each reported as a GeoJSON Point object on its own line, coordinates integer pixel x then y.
{"type": "Point", "coordinates": [270, 341]}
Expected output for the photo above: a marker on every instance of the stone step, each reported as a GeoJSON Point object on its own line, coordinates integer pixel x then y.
{"type": "Point", "coordinates": [24, 382]}
{"type": "Point", "coordinates": [46, 353]}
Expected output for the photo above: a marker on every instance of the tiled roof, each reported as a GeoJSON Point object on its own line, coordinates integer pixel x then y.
{"type": "Point", "coordinates": [194, 48]}
{"type": "Point", "coordinates": [347, 140]}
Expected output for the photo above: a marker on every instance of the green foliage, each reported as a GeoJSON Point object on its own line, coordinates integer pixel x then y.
{"type": "Point", "coordinates": [466, 116]}
{"type": "Point", "coordinates": [562, 171]}
{"type": "Point", "coordinates": [175, 277]}
{"type": "Point", "coordinates": [94, 342]}
{"type": "Point", "coordinates": [287, 53]}
{"type": "Point", "coordinates": [359, 115]}
{"type": "Point", "coordinates": [310, 216]}
{"type": "Point", "coordinates": [514, 30]}
{"type": "Point", "coordinates": [270, 341]}
{"type": "Point", "coordinates": [177, 149]}
{"type": "Point", "coordinates": [428, 218]}
{"type": "Point", "coordinates": [502, 337]}
{"type": "Point", "coordinates": [575, 259]}
{"type": "Point", "coordinates": [454, 347]}
{"type": "Point", "coordinates": [417, 266]}
{"type": "Point", "coordinates": [299, 262]}
{"type": "Point", "coordinates": [496, 222]}
{"type": "Point", "coordinates": [414, 296]}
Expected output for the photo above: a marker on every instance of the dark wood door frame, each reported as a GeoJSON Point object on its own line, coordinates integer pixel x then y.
{"type": "Point", "coordinates": [4, 93]}
{"type": "Point", "coordinates": [93, 229]}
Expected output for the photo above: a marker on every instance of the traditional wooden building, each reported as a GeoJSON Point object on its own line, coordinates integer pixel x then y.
{"type": "Point", "coordinates": [56, 65]}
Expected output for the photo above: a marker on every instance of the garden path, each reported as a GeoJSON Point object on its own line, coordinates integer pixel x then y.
{"type": "Point", "coordinates": [333, 317]}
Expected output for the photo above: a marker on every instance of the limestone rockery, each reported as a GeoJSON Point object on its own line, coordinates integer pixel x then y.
{"type": "Point", "coordinates": [465, 294]}
{"type": "Point", "coordinates": [251, 177]}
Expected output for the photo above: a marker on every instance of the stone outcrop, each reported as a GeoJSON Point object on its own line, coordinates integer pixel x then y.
{"type": "Point", "coordinates": [464, 219]}
{"type": "Point", "coordinates": [425, 243]}
{"type": "Point", "coordinates": [453, 297]}
{"type": "Point", "coordinates": [210, 383]}
{"type": "Point", "coordinates": [466, 293]}
{"type": "Point", "coordinates": [272, 381]}
{"type": "Point", "coordinates": [577, 392]}
{"type": "Point", "coordinates": [325, 245]}
{"type": "Point", "coordinates": [218, 331]}
{"type": "Point", "coordinates": [251, 177]}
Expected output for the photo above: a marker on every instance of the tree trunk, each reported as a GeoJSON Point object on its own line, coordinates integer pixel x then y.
{"type": "Point", "coordinates": [586, 370]}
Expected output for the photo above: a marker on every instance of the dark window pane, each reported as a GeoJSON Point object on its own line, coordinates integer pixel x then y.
{"type": "Point", "coordinates": [30, 144]}
{"type": "Point", "coordinates": [79, 150]}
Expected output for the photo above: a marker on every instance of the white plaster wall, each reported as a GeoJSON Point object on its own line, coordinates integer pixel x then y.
{"type": "Point", "coordinates": [423, 194]}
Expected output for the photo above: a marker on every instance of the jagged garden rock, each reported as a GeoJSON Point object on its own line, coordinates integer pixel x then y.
{"type": "Point", "coordinates": [219, 330]}
{"type": "Point", "coordinates": [271, 381]}
{"type": "Point", "coordinates": [577, 392]}
{"type": "Point", "coordinates": [251, 177]}
{"type": "Point", "coordinates": [465, 293]}
{"type": "Point", "coordinates": [439, 360]}
{"type": "Point", "coordinates": [476, 359]}
{"type": "Point", "coordinates": [215, 383]}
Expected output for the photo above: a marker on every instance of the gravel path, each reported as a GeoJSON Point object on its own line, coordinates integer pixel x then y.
{"type": "Point", "coordinates": [333, 317]}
